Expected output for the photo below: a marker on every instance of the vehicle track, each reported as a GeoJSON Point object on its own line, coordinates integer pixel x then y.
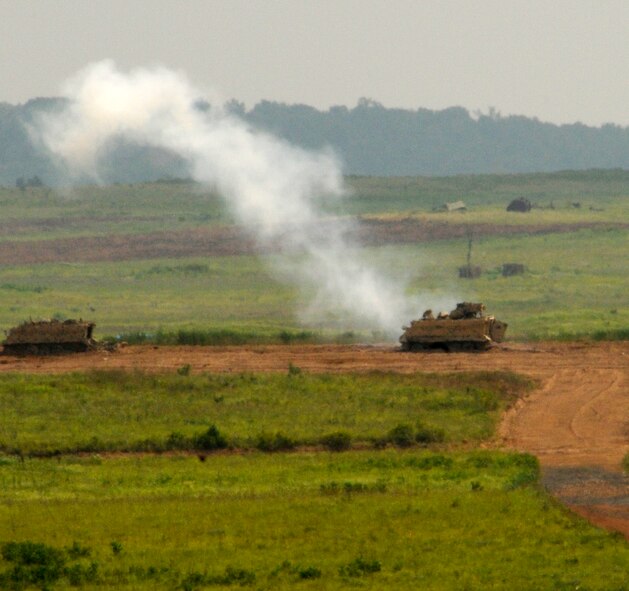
{"type": "Point", "coordinates": [576, 422]}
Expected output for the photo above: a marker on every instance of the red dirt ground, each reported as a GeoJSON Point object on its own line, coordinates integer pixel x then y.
{"type": "Point", "coordinates": [232, 240]}
{"type": "Point", "coordinates": [576, 422]}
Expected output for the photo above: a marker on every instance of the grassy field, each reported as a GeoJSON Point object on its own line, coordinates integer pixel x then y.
{"type": "Point", "coordinates": [372, 520]}
{"type": "Point", "coordinates": [119, 411]}
{"type": "Point", "coordinates": [146, 207]}
{"type": "Point", "coordinates": [43, 213]}
{"type": "Point", "coordinates": [412, 506]}
{"type": "Point", "coordinates": [605, 190]}
{"type": "Point", "coordinates": [446, 517]}
{"type": "Point", "coordinates": [575, 285]}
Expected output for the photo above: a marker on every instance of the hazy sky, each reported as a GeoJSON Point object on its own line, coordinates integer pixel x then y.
{"type": "Point", "coordinates": [558, 60]}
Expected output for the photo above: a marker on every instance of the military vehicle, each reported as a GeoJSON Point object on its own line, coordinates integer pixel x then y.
{"type": "Point", "coordinates": [49, 337]}
{"type": "Point", "coordinates": [466, 328]}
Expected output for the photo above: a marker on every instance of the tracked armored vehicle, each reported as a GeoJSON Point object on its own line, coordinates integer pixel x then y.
{"type": "Point", "coordinates": [466, 328]}
{"type": "Point", "coordinates": [49, 337]}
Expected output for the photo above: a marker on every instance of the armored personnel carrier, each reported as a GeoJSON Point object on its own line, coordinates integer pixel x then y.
{"type": "Point", "coordinates": [466, 328]}
{"type": "Point", "coordinates": [49, 337]}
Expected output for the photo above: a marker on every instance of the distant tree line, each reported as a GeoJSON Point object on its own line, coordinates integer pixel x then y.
{"type": "Point", "coordinates": [368, 138]}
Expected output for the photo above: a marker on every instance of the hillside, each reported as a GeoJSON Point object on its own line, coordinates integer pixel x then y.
{"type": "Point", "coordinates": [369, 139]}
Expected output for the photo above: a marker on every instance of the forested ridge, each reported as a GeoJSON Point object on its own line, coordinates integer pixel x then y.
{"type": "Point", "coordinates": [369, 139]}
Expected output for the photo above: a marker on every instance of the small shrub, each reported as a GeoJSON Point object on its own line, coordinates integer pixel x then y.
{"type": "Point", "coordinates": [34, 564]}
{"type": "Point", "coordinates": [31, 553]}
{"type": "Point", "coordinates": [476, 486]}
{"type": "Point", "coordinates": [293, 370]}
{"type": "Point", "coordinates": [237, 575]}
{"type": "Point", "coordinates": [380, 442]}
{"type": "Point", "coordinates": [360, 567]}
{"type": "Point", "coordinates": [78, 574]}
{"type": "Point", "coordinates": [331, 488]}
{"type": "Point", "coordinates": [274, 442]}
{"type": "Point", "coordinates": [354, 487]}
{"type": "Point", "coordinates": [401, 435]}
{"type": "Point", "coordinates": [625, 463]}
{"type": "Point", "coordinates": [116, 547]}
{"type": "Point", "coordinates": [210, 440]}
{"type": "Point", "coordinates": [310, 572]}
{"type": "Point", "coordinates": [184, 370]}
{"type": "Point", "coordinates": [425, 435]}
{"type": "Point", "coordinates": [154, 573]}
{"type": "Point", "coordinates": [78, 551]}
{"type": "Point", "coordinates": [338, 441]}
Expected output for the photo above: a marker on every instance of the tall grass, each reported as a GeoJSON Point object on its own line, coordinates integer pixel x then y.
{"type": "Point", "coordinates": [222, 337]}
{"type": "Point", "coordinates": [108, 411]}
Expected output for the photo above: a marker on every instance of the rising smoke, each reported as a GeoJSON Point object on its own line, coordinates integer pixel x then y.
{"type": "Point", "coordinates": [272, 187]}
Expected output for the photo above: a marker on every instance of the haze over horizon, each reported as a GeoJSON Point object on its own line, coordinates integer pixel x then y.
{"type": "Point", "coordinates": [560, 62]}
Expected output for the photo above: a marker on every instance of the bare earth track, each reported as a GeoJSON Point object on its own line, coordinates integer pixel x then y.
{"type": "Point", "coordinates": [576, 422]}
{"type": "Point", "coordinates": [232, 240]}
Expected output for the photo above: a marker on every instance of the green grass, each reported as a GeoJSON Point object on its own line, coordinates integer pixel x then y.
{"type": "Point", "coordinates": [131, 411]}
{"type": "Point", "coordinates": [98, 211]}
{"type": "Point", "coordinates": [576, 283]}
{"type": "Point", "coordinates": [146, 207]}
{"type": "Point", "coordinates": [374, 520]}
{"type": "Point", "coordinates": [230, 293]}
{"type": "Point", "coordinates": [395, 518]}
{"type": "Point", "coordinates": [594, 188]}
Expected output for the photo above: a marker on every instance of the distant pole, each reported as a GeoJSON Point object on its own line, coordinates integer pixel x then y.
{"type": "Point", "coordinates": [470, 238]}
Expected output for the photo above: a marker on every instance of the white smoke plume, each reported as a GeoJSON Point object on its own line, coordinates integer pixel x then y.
{"type": "Point", "coordinates": [272, 187]}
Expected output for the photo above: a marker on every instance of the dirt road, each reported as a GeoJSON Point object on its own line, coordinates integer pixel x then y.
{"type": "Point", "coordinates": [226, 240]}
{"type": "Point", "coordinates": [576, 422]}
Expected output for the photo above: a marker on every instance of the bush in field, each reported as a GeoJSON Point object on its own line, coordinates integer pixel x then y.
{"type": "Point", "coordinates": [426, 434]}
{"type": "Point", "coordinates": [210, 440]}
{"type": "Point", "coordinates": [274, 442]}
{"type": "Point", "coordinates": [338, 441]}
{"type": "Point", "coordinates": [37, 564]}
{"type": "Point", "coordinates": [77, 574]}
{"type": "Point", "coordinates": [309, 572]}
{"type": "Point", "coordinates": [401, 435]}
{"type": "Point", "coordinates": [360, 567]}
{"type": "Point", "coordinates": [625, 463]}
{"type": "Point", "coordinates": [78, 551]}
